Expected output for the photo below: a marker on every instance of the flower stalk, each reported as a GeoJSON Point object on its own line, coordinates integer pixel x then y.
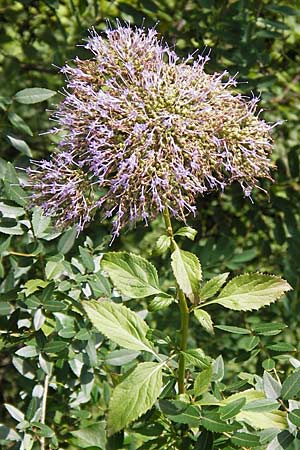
{"type": "Point", "coordinates": [184, 311]}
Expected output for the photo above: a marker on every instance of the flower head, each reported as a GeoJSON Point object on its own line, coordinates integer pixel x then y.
{"type": "Point", "coordinates": [148, 130]}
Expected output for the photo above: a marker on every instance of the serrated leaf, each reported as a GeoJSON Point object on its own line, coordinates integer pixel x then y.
{"type": "Point", "coordinates": [91, 436]}
{"type": "Point", "coordinates": [187, 271]}
{"type": "Point", "coordinates": [163, 243]}
{"type": "Point", "coordinates": [213, 286]}
{"type": "Point", "coordinates": [197, 358]}
{"type": "Point", "coordinates": [159, 302]}
{"type": "Point", "coordinates": [251, 291]}
{"type": "Point", "coordinates": [131, 274]}
{"type": "Point", "coordinates": [33, 95]}
{"type": "Point", "coordinates": [245, 440]}
{"type": "Point", "coordinates": [187, 232]}
{"type": "Point", "coordinates": [205, 320]}
{"type": "Point", "coordinates": [231, 409]}
{"type": "Point", "coordinates": [282, 441]}
{"type": "Point", "coordinates": [294, 417]}
{"type": "Point", "coordinates": [119, 324]}
{"type": "Point", "coordinates": [272, 387]}
{"type": "Point", "coordinates": [39, 222]}
{"type": "Point", "coordinates": [202, 381]}
{"type": "Point", "coordinates": [134, 396]}
{"type": "Point", "coordinates": [20, 145]}
{"type": "Point", "coordinates": [291, 386]}
{"type": "Point", "coordinates": [19, 123]}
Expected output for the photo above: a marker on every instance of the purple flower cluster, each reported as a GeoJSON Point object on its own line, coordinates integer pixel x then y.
{"type": "Point", "coordinates": [144, 131]}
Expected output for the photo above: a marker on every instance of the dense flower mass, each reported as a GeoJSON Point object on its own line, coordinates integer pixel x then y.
{"type": "Point", "coordinates": [145, 130]}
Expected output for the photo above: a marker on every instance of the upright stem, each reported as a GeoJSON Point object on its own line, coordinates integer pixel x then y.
{"type": "Point", "coordinates": [44, 408]}
{"type": "Point", "coordinates": [184, 312]}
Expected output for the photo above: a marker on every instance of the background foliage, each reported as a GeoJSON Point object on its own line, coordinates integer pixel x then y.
{"type": "Point", "coordinates": [46, 274]}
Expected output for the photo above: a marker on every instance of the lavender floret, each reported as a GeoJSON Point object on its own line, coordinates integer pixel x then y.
{"type": "Point", "coordinates": [149, 130]}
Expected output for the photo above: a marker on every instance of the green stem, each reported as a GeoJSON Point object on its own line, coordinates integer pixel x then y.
{"type": "Point", "coordinates": [184, 312]}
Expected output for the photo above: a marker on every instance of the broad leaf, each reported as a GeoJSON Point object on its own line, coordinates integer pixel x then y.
{"type": "Point", "coordinates": [20, 145]}
{"type": "Point", "coordinates": [232, 409]}
{"type": "Point", "coordinates": [212, 422]}
{"type": "Point", "coordinates": [188, 232]}
{"type": "Point", "coordinates": [251, 291]}
{"type": "Point", "coordinates": [39, 222]}
{"type": "Point", "coordinates": [92, 436]}
{"type": "Point", "coordinates": [205, 320]}
{"type": "Point", "coordinates": [33, 95]}
{"type": "Point", "coordinates": [213, 286]}
{"type": "Point", "coordinates": [272, 387]}
{"type": "Point", "coordinates": [282, 441]}
{"type": "Point", "coordinates": [160, 302]}
{"type": "Point", "coordinates": [291, 386]}
{"type": "Point", "coordinates": [132, 275]}
{"type": "Point", "coordinates": [205, 441]}
{"type": "Point", "coordinates": [202, 381]}
{"type": "Point", "coordinates": [119, 324]}
{"type": "Point", "coordinates": [294, 417]}
{"type": "Point", "coordinates": [187, 270]}
{"type": "Point", "coordinates": [134, 396]}
{"type": "Point", "coordinates": [245, 440]}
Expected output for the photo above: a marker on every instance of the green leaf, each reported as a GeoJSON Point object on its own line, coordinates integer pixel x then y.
{"type": "Point", "coordinates": [91, 436]}
{"type": "Point", "coordinates": [87, 259]}
{"type": "Point", "coordinates": [55, 346]}
{"type": "Point", "coordinates": [234, 330]}
{"type": "Point", "coordinates": [187, 270]}
{"type": "Point", "coordinates": [163, 243]}
{"type": "Point", "coordinates": [202, 381]}
{"type": "Point", "coordinates": [268, 329]}
{"type": "Point", "coordinates": [212, 422]}
{"type": "Point", "coordinates": [205, 320]}
{"type": "Point", "coordinates": [218, 369]}
{"type": "Point", "coordinates": [205, 441]}
{"type": "Point", "coordinates": [159, 302]}
{"type": "Point", "coordinates": [33, 95]}
{"type": "Point", "coordinates": [245, 440]}
{"type": "Point", "coordinates": [232, 409]}
{"type": "Point", "coordinates": [187, 232]}
{"type": "Point", "coordinates": [14, 412]}
{"type": "Point", "coordinates": [20, 145]}
{"type": "Point", "coordinates": [11, 186]}
{"type": "Point", "coordinates": [66, 241]}
{"type": "Point", "coordinates": [263, 420]}
{"type": "Point", "coordinates": [197, 358]}
{"type": "Point", "coordinates": [132, 275]}
{"type": "Point", "coordinates": [19, 123]}
{"type": "Point", "coordinates": [121, 357]}
{"type": "Point", "coordinates": [291, 386]}
{"type": "Point", "coordinates": [294, 417]}
{"type": "Point", "coordinates": [39, 222]}
{"type": "Point", "coordinates": [262, 405]}
{"type": "Point", "coordinates": [119, 324]}
{"type": "Point", "coordinates": [134, 396]}
{"type": "Point", "coordinates": [251, 291]}
{"type": "Point", "coordinates": [272, 387]}
{"type": "Point", "coordinates": [32, 286]}
{"type": "Point", "coordinates": [282, 441]}
{"type": "Point", "coordinates": [268, 364]}
{"type": "Point", "coordinates": [281, 347]}
{"type": "Point", "coordinates": [213, 286]}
